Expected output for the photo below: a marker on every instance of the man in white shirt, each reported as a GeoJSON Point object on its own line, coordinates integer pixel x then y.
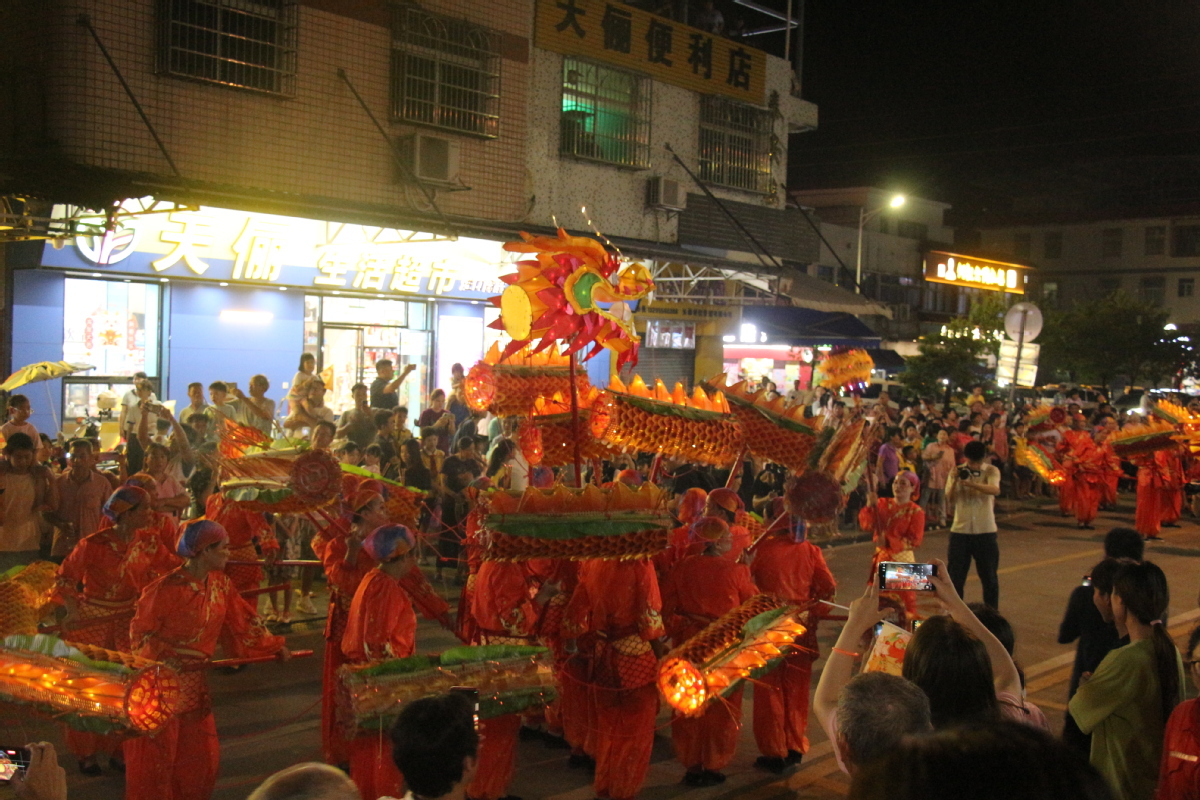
{"type": "Point", "coordinates": [258, 410]}
{"type": "Point", "coordinates": [972, 490]}
{"type": "Point", "coordinates": [197, 406]}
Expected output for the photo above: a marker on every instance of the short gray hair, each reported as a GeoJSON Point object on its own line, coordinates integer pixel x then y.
{"type": "Point", "coordinates": [876, 710]}
{"type": "Point", "coordinates": [307, 781]}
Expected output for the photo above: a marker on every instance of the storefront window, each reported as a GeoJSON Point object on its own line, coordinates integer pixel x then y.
{"type": "Point", "coordinates": [112, 325]}
{"type": "Point", "coordinates": [667, 334]}
{"type": "Point", "coordinates": [349, 334]}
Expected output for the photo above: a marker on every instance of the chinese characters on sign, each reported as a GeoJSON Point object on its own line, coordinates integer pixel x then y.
{"type": "Point", "coordinates": [226, 245]}
{"type": "Point", "coordinates": [669, 51]}
{"type": "Point", "coordinates": [975, 273]}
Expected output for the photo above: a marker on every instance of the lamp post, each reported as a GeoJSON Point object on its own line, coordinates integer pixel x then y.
{"type": "Point", "coordinates": [863, 217]}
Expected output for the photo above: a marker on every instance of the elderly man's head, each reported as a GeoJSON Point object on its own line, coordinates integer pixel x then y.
{"type": "Point", "coordinates": [309, 781]}
{"type": "Point", "coordinates": [874, 712]}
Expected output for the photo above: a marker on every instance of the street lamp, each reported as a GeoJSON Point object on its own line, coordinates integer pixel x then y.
{"type": "Point", "coordinates": [863, 217]}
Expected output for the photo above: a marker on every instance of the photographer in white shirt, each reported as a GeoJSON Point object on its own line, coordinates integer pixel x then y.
{"type": "Point", "coordinates": [972, 491]}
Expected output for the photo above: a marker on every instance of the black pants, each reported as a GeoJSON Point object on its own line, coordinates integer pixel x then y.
{"type": "Point", "coordinates": [986, 552]}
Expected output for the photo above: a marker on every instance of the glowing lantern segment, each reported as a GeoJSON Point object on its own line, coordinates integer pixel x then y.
{"type": "Point", "coordinates": [1141, 440]}
{"type": "Point", "coordinates": [25, 596]}
{"type": "Point", "coordinates": [744, 643]}
{"type": "Point", "coordinates": [696, 428]}
{"type": "Point", "coordinates": [510, 385]}
{"type": "Point", "coordinates": [282, 482]}
{"type": "Point", "coordinates": [510, 679]}
{"type": "Point", "coordinates": [87, 687]}
{"type": "Point", "coordinates": [845, 369]}
{"type": "Point", "coordinates": [559, 432]}
{"type": "Point", "coordinates": [576, 524]}
{"type": "Point", "coordinates": [1187, 422]}
{"type": "Point", "coordinates": [771, 429]}
{"type": "Point", "coordinates": [560, 296]}
{"type": "Point", "coordinates": [1033, 456]}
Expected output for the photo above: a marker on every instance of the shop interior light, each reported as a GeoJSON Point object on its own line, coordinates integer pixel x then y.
{"type": "Point", "coordinates": [223, 283]}
{"type": "Point", "coordinates": [246, 317]}
{"type": "Point", "coordinates": [748, 332]}
{"type": "Point", "coordinates": [729, 337]}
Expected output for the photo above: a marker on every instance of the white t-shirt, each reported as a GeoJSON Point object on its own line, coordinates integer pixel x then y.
{"type": "Point", "coordinates": [248, 417]}
{"type": "Point", "coordinates": [974, 512]}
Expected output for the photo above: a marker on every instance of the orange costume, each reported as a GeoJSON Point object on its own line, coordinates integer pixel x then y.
{"type": "Point", "coordinates": [614, 613]}
{"type": "Point", "coordinates": [698, 591]}
{"type": "Point", "coordinates": [343, 580]}
{"type": "Point", "coordinates": [505, 614]}
{"type": "Point", "coordinates": [1112, 475]}
{"type": "Point", "coordinates": [1085, 466]}
{"type": "Point", "coordinates": [104, 576]}
{"type": "Point", "coordinates": [244, 528]}
{"type": "Point", "coordinates": [180, 618]}
{"type": "Point", "coordinates": [898, 530]}
{"type": "Point", "coordinates": [1071, 442]}
{"type": "Point", "coordinates": [1172, 502]}
{"type": "Point", "coordinates": [381, 624]}
{"type": "Point", "coordinates": [1153, 476]}
{"type": "Point", "coordinates": [796, 571]}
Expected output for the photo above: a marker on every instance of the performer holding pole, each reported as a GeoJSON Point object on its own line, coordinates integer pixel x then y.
{"type": "Point", "coordinates": [787, 564]}
{"type": "Point", "coordinates": [381, 624]}
{"type": "Point", "coordinates": [898, 527]}
{"type": "Point", "coordinates": [99, 583]}
{"type": "Point", "coordinates": [179, 618]}
{"type": "Point", "coordinates": [698, 590]}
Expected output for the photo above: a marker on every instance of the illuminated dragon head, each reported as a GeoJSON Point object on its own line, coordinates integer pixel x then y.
{"type": "Point", "coordinates": [558, 296]}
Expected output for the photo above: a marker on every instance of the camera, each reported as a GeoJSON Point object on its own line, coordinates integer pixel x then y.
{"type": "Point", "coordinates": [964, 473]}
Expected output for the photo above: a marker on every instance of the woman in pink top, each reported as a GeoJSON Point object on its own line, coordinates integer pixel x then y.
{"type": "Point", "coordinates": [939, 460]}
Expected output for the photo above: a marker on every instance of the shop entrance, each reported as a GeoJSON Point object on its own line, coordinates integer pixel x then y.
{"type": "Point", "coordinates": [356, 333]}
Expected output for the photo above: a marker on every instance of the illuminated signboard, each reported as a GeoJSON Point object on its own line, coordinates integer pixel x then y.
{"type": "Point", "coordinates": [228, 246]}
{"type": "Point", "coordinates": [974, 273]}
{"type": "Point", "coordinates": [668, 51]}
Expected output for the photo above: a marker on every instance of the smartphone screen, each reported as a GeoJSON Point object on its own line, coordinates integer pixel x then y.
{"type": "Point", "coordinates": [472, 694]}
{"type": "Point", "coordinates": [898, 576]}
{"type": "Point", "coordinates": [12, 760]}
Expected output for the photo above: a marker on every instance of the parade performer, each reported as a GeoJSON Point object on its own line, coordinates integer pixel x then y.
{"type": "Point", "coordinates": [381, 624]}
{"type": "Point", "coordinates": [1152, 476]}
{"type": "Point", "coordinates": [244, 529]}
{"type": "Point", "coordinates": [726, 504]}
{"type": "Point", "coordinates": [699, 589]}
{"type": "Point", "coordinates": [1112, 469]}
{"type": "Point", "coordinates": [507, 612]}
{"type": "Point", "coordinates": [897, 525]}
{"type": "Point", "coordinates": [615, 616]}
{"type": "Point", "coordinates": [162, 524]}
{"type": "Point", "coordinates": [178, 620]}
{"type": "Point", "coordinates": [1084, 465]}
{"type": "Point", "coordinates": [788, 565]}
{"type": "Point", "coordinates": [346, 563]}
{"type": "Point", "coordinates": [99, 583]}
{"type": "Point", "coordinates": [681, 543]}
{"type": "Point", "coordinates": [1072, 441]}
{"type": "Point", "coordinates": [1172, 502]}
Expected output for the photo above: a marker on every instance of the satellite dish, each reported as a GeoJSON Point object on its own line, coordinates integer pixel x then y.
{"type": "Point", "coordinates": [1032, 317]}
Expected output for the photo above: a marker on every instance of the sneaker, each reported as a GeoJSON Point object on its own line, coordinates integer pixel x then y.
{"type": "Point", "coordinates": [305, 604]}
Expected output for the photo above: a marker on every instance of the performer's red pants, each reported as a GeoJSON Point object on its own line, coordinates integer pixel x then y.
{"type": "Point", "coordinates": [1149, 513]}
{"type": "Point", "coordinates": [372, 768]}
{"type": "Point", "coordinates": [710, 740]}
{"type": "Point", "coordinates": [781, 706]}
{"type": "Point", "coordinates": [497, 757]}
{"type": "Point", "coordinates": [178, 762]}
{"type": "Point", "coordinates": [624, 739]}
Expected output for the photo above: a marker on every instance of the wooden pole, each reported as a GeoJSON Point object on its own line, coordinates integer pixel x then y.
{"type": "Point", "coordinates": [575, 426]}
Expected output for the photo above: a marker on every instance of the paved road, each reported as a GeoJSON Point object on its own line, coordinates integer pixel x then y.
{"type": "Point", "coordinates": [268, 715]}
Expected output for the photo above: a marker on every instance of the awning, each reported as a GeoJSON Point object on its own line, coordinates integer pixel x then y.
{"type": "Point", "coordinates": [887, 360]}
{"type": "Point", "coordinates": [805, 327]}
{"type": "Point", "coordinates": [814, 293]}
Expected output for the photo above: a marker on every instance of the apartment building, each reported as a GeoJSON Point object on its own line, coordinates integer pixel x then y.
{"type": "Point", "coordinates": [194, 184]}
{"type": "Point", "coordinates": [1155, 258]}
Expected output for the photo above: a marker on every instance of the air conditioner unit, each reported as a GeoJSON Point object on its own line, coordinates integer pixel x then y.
{"type": "Point", "coordinates": [430, 158]}
{"type": "Point", "coordinates": [665, 193]}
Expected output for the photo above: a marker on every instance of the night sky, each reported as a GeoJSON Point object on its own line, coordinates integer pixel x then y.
{"type": "Point", "coordinates": [975, 103]}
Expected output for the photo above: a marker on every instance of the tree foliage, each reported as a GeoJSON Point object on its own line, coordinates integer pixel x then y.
{"type": "Point", "coordinates": [957, 354]}
{"type": "Point", "coordinates": [1104, 340]}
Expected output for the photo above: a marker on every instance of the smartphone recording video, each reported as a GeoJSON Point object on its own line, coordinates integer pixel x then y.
{"type": "Point", "coordinates": [900, 576]}
{"type": "Point", "coordinates": [13, 760]}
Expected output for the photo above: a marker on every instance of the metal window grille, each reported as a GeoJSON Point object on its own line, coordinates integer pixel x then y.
{"type": "Point", "coordinates": [605, 115]}
{"type": "Point", "coordinates": [735, 145]}
{"type": "Point", "coordinates": [250, 44]}
{"type": "Point", "coordinates": [445, 73]}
